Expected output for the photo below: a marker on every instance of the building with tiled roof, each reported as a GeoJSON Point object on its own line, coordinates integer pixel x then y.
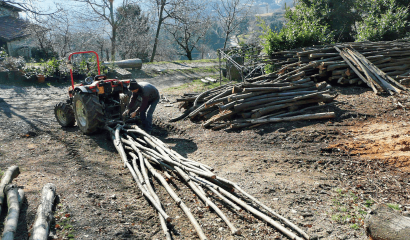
{"type": "Point", "coordinates": [14, 34]}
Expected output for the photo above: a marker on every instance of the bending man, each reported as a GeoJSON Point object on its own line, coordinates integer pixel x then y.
{"type": "Point", "coordinates": [148, 95]}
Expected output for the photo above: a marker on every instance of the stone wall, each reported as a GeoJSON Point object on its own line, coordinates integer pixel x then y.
{"type": "Point", "coordinates": [21, 47]}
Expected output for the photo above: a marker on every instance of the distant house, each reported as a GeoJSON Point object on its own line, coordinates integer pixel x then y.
{"type": "Point", "coordinates": [14, 34]}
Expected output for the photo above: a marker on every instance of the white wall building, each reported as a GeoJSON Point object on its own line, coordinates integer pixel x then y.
{"type": "Point", "coordinates": [14, 34]}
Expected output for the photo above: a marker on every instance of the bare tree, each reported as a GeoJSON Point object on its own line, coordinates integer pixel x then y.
{"type": "Point", "coordinates": [206, 49]}
{"type": "Point", "coordinates": [166, 9]}
{"type": "Point", "coordinates": [254, 31]}
{"type": "Point", "coordinates": [166, 51]}
{"type": "Point", "coordinates": [102, 44]}
{"type": "Point", "coordinates": [133, 34]}
{"type": "Point", "coordinates": [230, 14]}
{"type": "Point", "coordinates": [105, 11]}
{"type": "Point", "coordinates": [42, 38]}
{"type": "Point", "coordinates": [189, 26]}
{"type": "Point", "coordinates": [61, 35]}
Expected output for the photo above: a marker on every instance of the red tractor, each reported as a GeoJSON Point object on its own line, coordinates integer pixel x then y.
{"type": "Point", "coordinates": [94, 102]}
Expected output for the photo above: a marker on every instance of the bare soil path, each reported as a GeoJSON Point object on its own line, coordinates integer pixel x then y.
{"type": "Point", "coordinates": [322, 176]}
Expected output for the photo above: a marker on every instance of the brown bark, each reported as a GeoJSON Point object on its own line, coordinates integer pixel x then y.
{"type": "Point", "coordinates": [223, 115]}
{"type": "Point", "coordinates": [370, 84]}
{"type": "Point", "coordinates": [277, 89]}
{"type": "Point", "coordinates": [297, 118]}
{"type": "Point", "coordinates": [320, 55]}
{"type": "Point", "coordinates": [272, 101]}
{"type": "Point", "coordinates": [384, 80]}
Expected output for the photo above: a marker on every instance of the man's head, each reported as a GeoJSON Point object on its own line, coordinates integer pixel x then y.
{"type": "Point", "coordinates": [134, 86]}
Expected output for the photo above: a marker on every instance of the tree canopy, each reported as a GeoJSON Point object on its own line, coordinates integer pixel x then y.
{"type": "Point", "coordinates": [325, 21]}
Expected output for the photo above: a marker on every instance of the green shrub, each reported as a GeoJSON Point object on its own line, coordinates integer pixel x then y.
{"type": "Point", "coordinates": [3, 52]}
{"type": "Point", "coordinates": [52, 67]}
{"type": "Point", "coordinates": [304, 28]}
{"type": "Point", "coordinates": [385, 21]}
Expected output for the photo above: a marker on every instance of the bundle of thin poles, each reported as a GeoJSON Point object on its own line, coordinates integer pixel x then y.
{"type": "Point", "coordinates": [148, 157]}
{"type": "Point", "coordinates": [374, 77]}
{"type": "Point", "coordinates": [391, 57]}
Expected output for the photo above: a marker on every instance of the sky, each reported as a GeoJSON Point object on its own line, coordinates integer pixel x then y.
{"type": "Point", "coordinates": [49, 6]}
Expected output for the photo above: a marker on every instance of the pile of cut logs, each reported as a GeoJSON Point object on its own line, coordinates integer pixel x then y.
{"type": "Point", "coordinates": [14, 197]}
{"type": "Point", "coordinates": [328, 63]}
{"type": "Point", "coordinates": [148, 157]}
{"type": "Point", "coordinates": [244, 105]}
{"type": "Point", "coordinates": [300, 85]}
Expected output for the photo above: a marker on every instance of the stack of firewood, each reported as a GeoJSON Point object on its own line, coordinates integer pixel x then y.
{"type": "Point", "coordinates": [14, 197]}
{"type": "Point", "coordinates": [252, 104]}
{"type": "Point", "coordinates": [391, 57]}
{"type": "Point", "coordinates": [298, 84]}
{"type": "Point", "coordinates": [148, 157]}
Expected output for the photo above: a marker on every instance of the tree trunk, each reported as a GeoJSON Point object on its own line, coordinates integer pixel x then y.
{"type": "Point", "coordinates": [383, 223]}
{"type": "Point", "coordinates": [226, 38]}
{"type": "Point", "coordinates": [189, 54]}
{"type": "Point", "coordinates": [160, 20]}
{"type": "Point", "coordinates": [41, 225]}
{"type": "Point", "coordinates": [108, 55]}
{"type": "Point", "coordinates": [114, 31]}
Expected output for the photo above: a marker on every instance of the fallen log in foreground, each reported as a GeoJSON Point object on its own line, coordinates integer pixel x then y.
{"type": "Point", "coordinates": [384, 223]}
{"type": "Point", "coordinates": [146, 157]}
{"type": "Point", "coordinates": [11, 173]}
{"type": "Point", "coordinates": [15, 197]}
{"type": "Point", "coordinates": [41, 226]}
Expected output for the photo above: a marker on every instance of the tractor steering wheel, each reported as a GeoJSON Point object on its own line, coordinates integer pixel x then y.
{"type": "Point", "coordinates": [89, 80]}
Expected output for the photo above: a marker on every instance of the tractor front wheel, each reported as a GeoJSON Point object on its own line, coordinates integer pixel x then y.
{"type": "Point", "coordinates": [64, 114]}
{"type": "Point", "coordinates": [88, 112]}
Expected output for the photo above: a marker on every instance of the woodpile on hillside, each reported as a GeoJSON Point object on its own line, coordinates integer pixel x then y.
{"type": "Point", "coordinates": [300, 87]}
{"type": "Point", "coordinates": [336, 63]}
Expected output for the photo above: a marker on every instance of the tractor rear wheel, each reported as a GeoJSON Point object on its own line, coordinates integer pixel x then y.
{"type": "Point", "coordinates": [64, 114]}
{"type": "Point", "coordinates": [88, 112]}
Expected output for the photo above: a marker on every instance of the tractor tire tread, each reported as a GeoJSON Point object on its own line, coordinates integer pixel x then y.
{"type": "Point", "coordinates": [94, 113]}
{"type": "Point", "coordinates": [68, 112]}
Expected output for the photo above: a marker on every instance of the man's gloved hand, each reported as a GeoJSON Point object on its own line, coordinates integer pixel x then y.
{"type": "Point", "coordinates": [125, 113]}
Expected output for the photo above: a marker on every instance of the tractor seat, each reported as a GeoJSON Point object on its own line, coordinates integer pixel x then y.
{"type": "Point", "coordinates": [100, 77]}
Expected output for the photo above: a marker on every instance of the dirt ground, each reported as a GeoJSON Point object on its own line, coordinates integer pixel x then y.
{"type": "Point", "coordinates": [322, 175]}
